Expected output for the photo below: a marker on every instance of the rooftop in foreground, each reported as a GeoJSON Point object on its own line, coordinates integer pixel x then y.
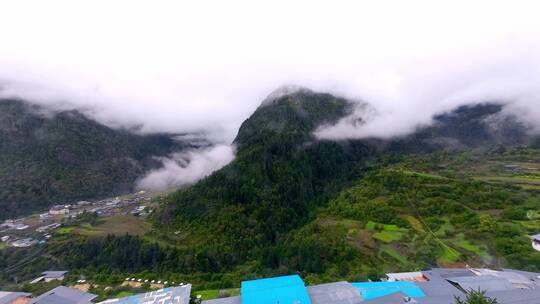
{"type": "Point", "coordinates": [64, 295]}
{"type": "Point", "coordinates": [435, 286]}
{"type": "Point", "coordinates": [372, 290]}
{"type": "Point", "coordinates": [285, 289]}
{"type": "Point", "coordinates": [172, 295]}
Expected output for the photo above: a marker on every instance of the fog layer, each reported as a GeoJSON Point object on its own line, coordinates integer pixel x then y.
{"type": "Point", "coordinates": [205, 66]}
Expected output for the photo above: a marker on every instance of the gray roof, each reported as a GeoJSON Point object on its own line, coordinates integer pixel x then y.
{"type": "Point", "coordinates": [7, 297]}
{"type": "Point", "coordinates": [54, 299]}
{"type": "Point", "coordinates": [535, 276]}
{"type": "Point", "coordinates": [450, 272]}
{"type": "Point", "coordinates": [510, 276]}
{"type": "Point", "coordinates": [497, 283]}
{"type": "Point", "coordinates": [64, 295]}
{"type": "Point", "coordinates": [535, 237]}
{"type": "Point", "coordinates": [393, 298]}
{"type": "Point", "coordinates": [229, 300]}
{"type": "Point", "coordinates": [334, 293]}
{"type": "Point", "coordinates": [447, 299]}
{"type": "Point", "coordinates": [516, 296]}
{"type": "Point", "coordinates": [484, 282]}
{"type": "Point", "coordinates": [439, 289]}
{"type": "Point", "coordinates": [53, 274]}
{"type": "Point", "coordinates": [438, 286]}
{"type": "Point", "coordinates": [171, 295]}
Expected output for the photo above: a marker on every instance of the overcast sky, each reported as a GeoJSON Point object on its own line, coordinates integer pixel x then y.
{"type": "Point", "coordinates": [206, 65]}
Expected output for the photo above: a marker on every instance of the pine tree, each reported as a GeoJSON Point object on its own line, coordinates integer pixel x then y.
{"type": "Point", "coordinates": [476, 297]}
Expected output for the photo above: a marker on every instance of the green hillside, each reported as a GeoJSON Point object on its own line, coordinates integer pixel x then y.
{"type": "Point", "coordinates": [50, 159]}
{"type": "Point", "coordinates": [447, 195]}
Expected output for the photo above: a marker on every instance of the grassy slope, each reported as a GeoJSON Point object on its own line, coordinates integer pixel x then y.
{"type": "Point", "coordinates": [119, 225]}
{"type": "Point", "coordinates": [450, 239]}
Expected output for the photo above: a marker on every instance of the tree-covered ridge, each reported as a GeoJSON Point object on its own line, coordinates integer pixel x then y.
{"type": "Point", "coordinates": [50, 159]}
{"type": "Point", "coordinates": [336, 210]}
{"type": "Point", "coordinates": [282, 174]}
{"type": "Point", "coordinates": [410, 214]}
{"type": "Point", "coordinates": [295, 116]}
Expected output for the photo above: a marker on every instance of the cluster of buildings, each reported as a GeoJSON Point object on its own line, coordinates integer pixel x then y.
{"type": "Point", "coordinates": [48, 276]}
{"type": "Point", "coordinates": [13, 225]}
{"type": "Point", "coordinates": [19, 238]}
{"type": "Point", "coordinates": [170, 295]}
{"type": "Point", "coordinates": [17, 232]}
{"type": "Point", "coordinates": [435, 286]}
{"type": "Point", "coordinates": [67, 295]}
{"type": "Point", "coordinates": [108, 206]}
{"type": "Point", "coordinates": [104, 207]}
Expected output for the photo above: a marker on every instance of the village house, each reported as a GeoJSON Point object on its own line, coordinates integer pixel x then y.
{"type": "Point", "coordinates": [59, 210]}
{"type": "Point", "coordinates": [535, 239]}
{"type": "Point", "coordinates": [48, 276]}
{"type": "Point", "coordinates": [11, 225]}
{"type": "Point", "coordinates": [24, 242]}
{"type": "Point", "coordinates": [48, 227]}
{"type": "Point", "coordinates": [64, 295]}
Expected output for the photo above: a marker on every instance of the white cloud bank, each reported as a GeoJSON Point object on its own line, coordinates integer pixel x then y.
{"type": "Point", "coordinates": [204, 66]}
{"type": "Point", "coordinates": [181, 169]}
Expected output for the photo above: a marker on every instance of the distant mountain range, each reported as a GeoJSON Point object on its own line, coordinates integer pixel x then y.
{"type": "Point", "coordinates": [61, 157]}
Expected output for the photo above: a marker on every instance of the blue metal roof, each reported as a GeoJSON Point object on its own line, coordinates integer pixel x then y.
{"type": "Point", "coordinates": [278, 290]}
{"type": "Point", "coordinates": [373, 290]}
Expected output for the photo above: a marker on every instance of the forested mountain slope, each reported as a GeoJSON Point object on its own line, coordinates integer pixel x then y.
{"type": "Point", "coordinates": [283, 175]}
{"type": "Point", "coordinates": [333, 210]}
{"type": "Point", "coordinates": [51, 159]}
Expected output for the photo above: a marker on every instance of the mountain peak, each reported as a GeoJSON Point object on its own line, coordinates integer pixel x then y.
{"type": "Point", "coordinates": [292, 110]}
{"type": "Point", "coordinates": [285, 90]}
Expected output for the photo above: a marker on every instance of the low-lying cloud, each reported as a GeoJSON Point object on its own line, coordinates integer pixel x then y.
{"type": "Point", "coordinates": [181, 169]}
{"type": "Point", "coordinates": [505, 76]}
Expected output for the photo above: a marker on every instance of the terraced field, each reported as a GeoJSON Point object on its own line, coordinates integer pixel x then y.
{"type": "Point", "coordinates": [385, 232]}
{"type": "Point", "coordinates": [525, 182]}
{"type": "Point", "coordinates": [119, 225]}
